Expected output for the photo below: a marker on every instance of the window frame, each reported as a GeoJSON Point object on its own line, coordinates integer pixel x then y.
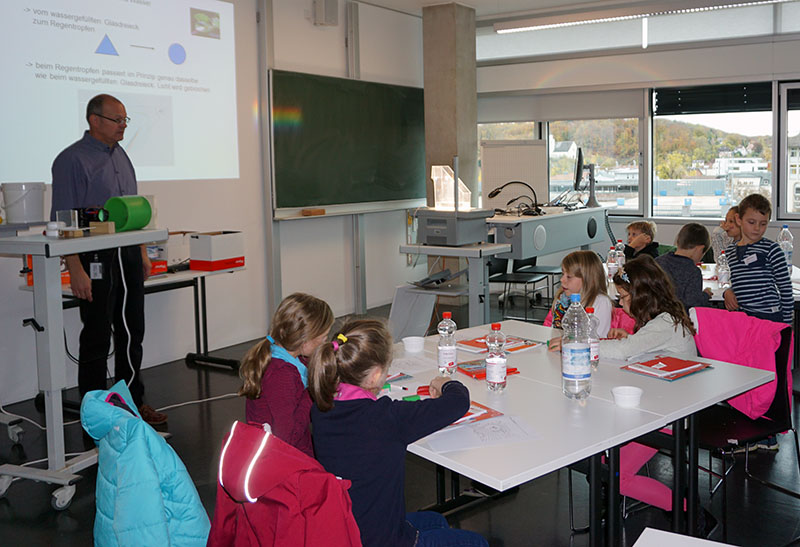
{"type": "Point", "coordinates": [781, 138]}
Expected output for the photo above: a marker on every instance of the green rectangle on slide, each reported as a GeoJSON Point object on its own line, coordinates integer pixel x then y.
{"type": "Point", "coordinates": [339, 141]}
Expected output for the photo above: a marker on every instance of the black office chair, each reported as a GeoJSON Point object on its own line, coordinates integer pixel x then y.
{"type": "Point", "coordinates": [521, 274]}
{"type": "Point", "coordinates": [721, 429]}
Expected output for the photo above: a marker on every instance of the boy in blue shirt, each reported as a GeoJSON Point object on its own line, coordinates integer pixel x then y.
{"type": "Point", "coordinates": [760, 280]}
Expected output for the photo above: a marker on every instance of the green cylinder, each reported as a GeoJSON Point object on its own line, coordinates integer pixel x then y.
{"type": "Point", "coordinates": [128, 212]}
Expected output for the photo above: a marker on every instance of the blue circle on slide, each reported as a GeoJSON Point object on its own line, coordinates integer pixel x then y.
{"type": "Point", "coordinates": [177, 54]}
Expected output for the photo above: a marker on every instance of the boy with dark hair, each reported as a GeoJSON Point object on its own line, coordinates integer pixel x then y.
{"type": "Point", "coordinates": [761, 285]}
{"type": "Point", "coordinates": [681, 265]}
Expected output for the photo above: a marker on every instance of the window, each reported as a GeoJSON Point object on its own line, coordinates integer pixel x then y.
{"type": "Point", "coordinates": [712, 146]}
{"type": "Point", "coordinates": [790, 120]}
{"type": "Point", "coordinates": [611, 145]}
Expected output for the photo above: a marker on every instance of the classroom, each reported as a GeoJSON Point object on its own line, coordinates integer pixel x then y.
{"type": "Point", "coordinates": [570, 88]}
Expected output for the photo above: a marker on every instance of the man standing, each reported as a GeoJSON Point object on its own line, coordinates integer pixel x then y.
{"type": "Point", "coordinates": [86, 174]}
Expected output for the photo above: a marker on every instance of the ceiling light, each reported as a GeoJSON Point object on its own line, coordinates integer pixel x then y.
{"type": "Point", "coordinates": [624, 13]}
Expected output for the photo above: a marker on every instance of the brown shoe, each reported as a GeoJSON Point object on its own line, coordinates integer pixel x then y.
{"type": "Point", "coordinates": [152, 416]}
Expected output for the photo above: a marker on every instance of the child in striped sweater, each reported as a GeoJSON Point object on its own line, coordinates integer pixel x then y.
{"type": "Point", "coordinates": [761, 285]}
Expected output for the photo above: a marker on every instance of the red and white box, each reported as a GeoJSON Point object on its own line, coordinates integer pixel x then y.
{"type": "Point", "coordinates": [212, 251]}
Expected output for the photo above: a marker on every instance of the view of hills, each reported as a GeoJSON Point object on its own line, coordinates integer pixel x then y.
{"type": "Point", "coordinates": [614, 143]}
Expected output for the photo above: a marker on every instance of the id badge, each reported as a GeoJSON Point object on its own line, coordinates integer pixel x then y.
{"type": "Point", "coordinates": [95, 270]}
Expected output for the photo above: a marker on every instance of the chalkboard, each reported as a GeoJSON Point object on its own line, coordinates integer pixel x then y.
{"type": "Point", "coordinates": [340, 141]}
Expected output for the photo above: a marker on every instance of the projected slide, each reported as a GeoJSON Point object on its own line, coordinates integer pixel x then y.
{"type": "Point", "coordinates": [171, 62]}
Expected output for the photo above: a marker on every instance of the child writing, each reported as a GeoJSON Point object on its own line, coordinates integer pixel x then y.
{"type": "Point", "coordinates": [760, 281]}
{"type": "Point", "coordinates": [274, 373]}
{"type": "Point", "coordinates": [363, 439]}
{"type": "Point", "coordinates": [726, 233]}
{"type": "Point", "coordinates": [641, 234]}
{"type": "Point", "coordinates": [648, 296]}
{"type": "Point", "coordinates": [681, 265]}
{"type": "Point", "coordinates": [581, 273]}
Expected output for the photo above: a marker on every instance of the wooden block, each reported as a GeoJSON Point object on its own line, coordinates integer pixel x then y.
{"type": "Point", "coordinates": [72, 234]}
{"type": "Point", "coordinates": [312, 212]}
{"type": "Point", "coordinates": [102, 228]}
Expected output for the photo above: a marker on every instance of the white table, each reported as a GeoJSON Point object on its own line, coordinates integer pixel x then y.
{"type": "Point", "coordinates": [196, 279]}
{"type": "Point", "coordinates": [598, 425]}
{"type": "Point", "coordinates": [478, 273]}
{"type": "Point", "coordinates": [50, 354]}
{"type": "Point", "coordinates": [651, 537]}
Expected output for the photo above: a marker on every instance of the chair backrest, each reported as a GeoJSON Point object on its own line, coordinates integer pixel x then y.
{"type": "Point", "coordinates": [497, 265]}
{"type": "Point", "coordinates": [520, 265]}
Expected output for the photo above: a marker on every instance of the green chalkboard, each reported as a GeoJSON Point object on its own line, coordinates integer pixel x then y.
{"type": "Point", "coordinates": [339, 141]}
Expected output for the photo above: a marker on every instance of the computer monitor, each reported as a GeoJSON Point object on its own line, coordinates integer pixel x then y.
{"type": "Point", "coordinates": [578, 170]}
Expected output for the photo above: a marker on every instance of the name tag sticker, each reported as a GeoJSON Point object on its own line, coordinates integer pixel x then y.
{"type": "Point", "coordinates": [749, 259]}
{"type": "Point", "coordinates": [96, 270]}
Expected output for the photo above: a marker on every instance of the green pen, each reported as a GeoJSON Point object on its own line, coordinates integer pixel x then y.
{"type": "Point", "coordinates": [411, 398]}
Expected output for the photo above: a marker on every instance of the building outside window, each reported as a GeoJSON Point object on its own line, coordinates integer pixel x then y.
{"type": "Point", "coordinates": [611, 145]}
{"type": "Point", "coordinates": [712, 146]}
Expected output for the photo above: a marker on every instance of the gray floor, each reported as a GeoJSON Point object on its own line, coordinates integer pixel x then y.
{"type": "Point", "coordinates": [536, 514]}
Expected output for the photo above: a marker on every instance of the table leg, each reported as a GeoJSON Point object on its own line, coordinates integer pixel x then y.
{"type": "Point", "coordinates": [440, 495]}
{"type": "Point", "coordinates": [613, 520]}
{"type": "Point", "coordinates": [595, 502]}
{"type": "Point", "coordinates": [679, 472]}
{"type": "Point", "coordinates": [201, 332]}
{"type": "Point", "coordinates": [196, 295]}
{"type": "Point", "coordinates": [692, 481]}
{"type": "Point", "coordinates": [478, 271]}
{"type": "Point", "coordinates": [204, 317]}
{"type": "Point", "coordinates": [50, 354]}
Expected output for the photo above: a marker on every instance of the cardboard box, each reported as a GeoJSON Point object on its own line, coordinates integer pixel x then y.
{"type": "Point", "coordinates": [29, 275]}
{"type": "Point", "coordinates": [212, 251]}
{"type": "Point", "coordinates": [176, 249]}
{"type": "Point", "coordinates": [158, 267]}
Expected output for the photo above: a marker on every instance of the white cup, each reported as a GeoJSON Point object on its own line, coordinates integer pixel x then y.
{"type": "Point", "coordinates": [627, 396]}
{"type": "Point", "coordinates": [413, 344]}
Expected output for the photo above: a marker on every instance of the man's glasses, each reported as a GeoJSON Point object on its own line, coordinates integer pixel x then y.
{"type": "Point", "coordinates": [119, 121]}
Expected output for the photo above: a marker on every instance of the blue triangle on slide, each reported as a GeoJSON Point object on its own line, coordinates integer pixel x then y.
{"type": "Point", "coordinates": [106, 47]}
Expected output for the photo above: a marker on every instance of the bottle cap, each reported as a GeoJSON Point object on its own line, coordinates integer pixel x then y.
{"type": "Point", "coordinates": [574, 298]}
{"type": "Point", "coordinates": [495, 326]}
{"type": "Point", "coordinates": [447, 315]}
{"type": "Point", "coordinates": [785, 225]}
{"type": "Point", "coordinates": [589, 310]}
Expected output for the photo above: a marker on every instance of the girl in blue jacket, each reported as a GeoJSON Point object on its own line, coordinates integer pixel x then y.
{"type": "Point", "coordinates": [363, 439]}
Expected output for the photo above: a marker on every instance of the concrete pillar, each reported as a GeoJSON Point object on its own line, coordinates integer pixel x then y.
{"type": "Point", "coordinates": [451, 105]}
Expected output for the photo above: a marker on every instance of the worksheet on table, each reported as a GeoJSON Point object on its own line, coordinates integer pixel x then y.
{"type": "Point", "coordinates": [499, 430]}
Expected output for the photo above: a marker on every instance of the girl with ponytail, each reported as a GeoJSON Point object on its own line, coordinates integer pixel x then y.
{"type": "Point", "coordinates": [274, 372]}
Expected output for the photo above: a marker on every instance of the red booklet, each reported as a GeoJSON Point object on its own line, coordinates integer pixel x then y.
{"type": "Point", "coordinates": [477, 369]}
{"type": "Point", "coordinates": [513, 343]}
{"type": "Point", "coordinates": [476, 413]}
{"type": "Point", "coordinates": [667, 368]}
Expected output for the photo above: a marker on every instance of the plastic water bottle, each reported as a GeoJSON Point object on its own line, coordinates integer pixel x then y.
{"type": "Point", "coordinates": [447, 344]}
{"type": "Point", "coordinates": [576, 367]}
{"type": "Point", "coordinates": [611, 262]}
{"type": "Point", "coordinates": [620, 248]}
{"type": "Point", "coordinates": [594, 339]}
{"type": "Point", "coordinates": [496, 359]}
{"type": "Point", "coordinates": [723, 271]}
{"type": "Point", "coordinates": [786, 242]}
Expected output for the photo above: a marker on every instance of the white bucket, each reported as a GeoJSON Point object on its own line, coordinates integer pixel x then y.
{"type": "Point", "coordinates": [23, 202]}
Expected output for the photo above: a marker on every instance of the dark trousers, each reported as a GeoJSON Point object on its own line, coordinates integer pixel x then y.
{"type": "Point", "coordinates": [109, 295]}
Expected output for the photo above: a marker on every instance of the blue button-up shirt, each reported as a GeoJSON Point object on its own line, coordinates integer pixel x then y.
{"type": "Point", "coordinates": [88, 172]}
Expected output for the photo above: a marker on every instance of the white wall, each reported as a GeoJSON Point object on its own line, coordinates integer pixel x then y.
{"type": "Point", "coordinates": [237, 303]}
{"type": "Point", "coordinates": [317, 254]}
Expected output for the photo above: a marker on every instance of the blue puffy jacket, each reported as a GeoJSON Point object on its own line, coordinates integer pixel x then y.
{"type": "Point", "coordinates": [144, 494]}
